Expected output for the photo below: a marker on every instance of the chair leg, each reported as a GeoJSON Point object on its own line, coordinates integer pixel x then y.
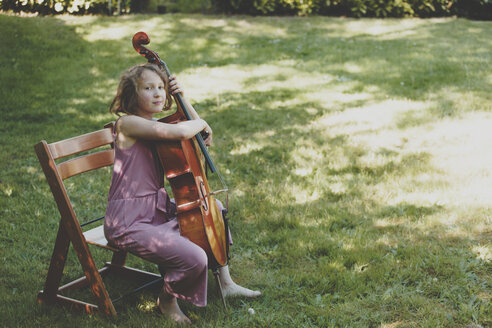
{"type": "Point", "coordinates": [55, 271]}
{"type": "Point", "coordinates": [219, 285]}
{"type": "Point", "coordinates": [51, 293]}
{"type": "Point", "coordinates": [94, 278]}
{"type": "Point", "coordinates": [119, 258]}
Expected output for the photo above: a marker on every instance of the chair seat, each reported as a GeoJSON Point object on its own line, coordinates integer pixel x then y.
{"type": "Point", "coordinates": [95, 236]}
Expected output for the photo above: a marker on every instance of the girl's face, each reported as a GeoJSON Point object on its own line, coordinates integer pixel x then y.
{"type": "Point", "coordinates": [151, 94]}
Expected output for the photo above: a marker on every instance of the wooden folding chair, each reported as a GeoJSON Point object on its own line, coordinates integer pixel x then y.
{"type": "Point", "coordinates": [70, 230]}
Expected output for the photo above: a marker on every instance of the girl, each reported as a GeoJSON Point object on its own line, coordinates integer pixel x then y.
{"type": "Point", "coordinates": [140, 217]}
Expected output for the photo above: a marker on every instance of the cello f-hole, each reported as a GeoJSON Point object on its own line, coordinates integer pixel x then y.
{"type": "Point", "coordinates": [203, 195]}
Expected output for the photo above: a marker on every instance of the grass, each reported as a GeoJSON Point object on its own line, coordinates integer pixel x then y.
{"type": "Point", "coordinates": [357, 152]}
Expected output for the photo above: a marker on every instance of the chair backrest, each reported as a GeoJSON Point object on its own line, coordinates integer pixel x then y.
{"type": "Point", "coordinates": [81, 160]}
{"type": "Point", "coordinates": [77, 145]}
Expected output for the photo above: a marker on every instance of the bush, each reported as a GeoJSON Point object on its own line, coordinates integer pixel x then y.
{"type": "Point", "coordinates": [481, 9]}
{"type": "Point", "coordinates": [47, 7]}
{"type": "Point", "coordinates": [138, 6]}
{"type": "Point", "coordinates": [474, 9]}
{"type": "Point", "coordinates": [73, 7]}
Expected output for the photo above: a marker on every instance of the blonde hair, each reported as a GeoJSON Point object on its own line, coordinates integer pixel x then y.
{"type": "Point", "coordinates": [126, 99]}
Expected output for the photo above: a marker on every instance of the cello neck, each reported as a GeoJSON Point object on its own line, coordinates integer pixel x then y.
{"type": "Point", "coordinates": [179, 100]}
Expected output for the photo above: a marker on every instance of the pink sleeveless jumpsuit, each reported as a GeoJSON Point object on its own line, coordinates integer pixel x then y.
{"type": "Point", "coordinates": [140, 218]}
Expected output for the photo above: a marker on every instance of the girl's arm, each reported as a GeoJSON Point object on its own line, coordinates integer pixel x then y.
{"type": "Point", "coordinates": [136, 127]}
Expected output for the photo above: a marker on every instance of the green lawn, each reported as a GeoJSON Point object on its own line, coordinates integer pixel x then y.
{"type": "Point", "coordinates": [357, 152]}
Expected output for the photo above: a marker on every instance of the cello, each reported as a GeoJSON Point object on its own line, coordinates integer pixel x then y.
{"type": "Point", "coordinates": [199, 217]}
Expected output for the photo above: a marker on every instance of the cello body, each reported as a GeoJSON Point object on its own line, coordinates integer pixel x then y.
{"type": "Point", "coordinates": [200, 219]}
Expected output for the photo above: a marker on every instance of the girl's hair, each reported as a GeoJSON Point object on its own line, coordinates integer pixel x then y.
{"type": "Point", "coordinates": [126, 99]}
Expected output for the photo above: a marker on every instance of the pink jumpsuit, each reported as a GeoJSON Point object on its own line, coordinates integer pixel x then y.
{"type": "Point", "coordinates": [140, 218]}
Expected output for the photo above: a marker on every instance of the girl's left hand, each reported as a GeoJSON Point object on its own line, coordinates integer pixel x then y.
{"type": "Point", "coordinates": [174, 86]}
{"type": "Point", "coordinates": [208, 139]}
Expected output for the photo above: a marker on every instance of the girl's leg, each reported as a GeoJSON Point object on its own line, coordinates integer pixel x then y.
{"type": "Point", "coordinates": [169, 307]}
{"type": "Point", "coordinates": [184, 263]}
{"type": "Point", "coordinates": [230, 288]}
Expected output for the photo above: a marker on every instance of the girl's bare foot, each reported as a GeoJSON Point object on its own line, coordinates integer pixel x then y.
{"type": "Point", "coordinates": [230, 288]}
{"type": "Point", "coordinates": [236, 290]}
{"type": "Point", "coordinates": [170, 308]}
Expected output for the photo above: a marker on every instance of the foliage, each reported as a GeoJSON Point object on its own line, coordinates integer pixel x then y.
{"type": "Point", "coordinates": [356, 150]}
{"type": "Point", "coordinates": [138, 6]}
{"type": "Point", "coordinates": [72, 7]}
{"type": "Point", "coordinates": [183, 6]}
{"type": "Point", "coordinates": [361, 8]}
{"type": "Point", "coordinates": [475, 9]}
{"type": "Point", "coordinates": [49, 7]}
